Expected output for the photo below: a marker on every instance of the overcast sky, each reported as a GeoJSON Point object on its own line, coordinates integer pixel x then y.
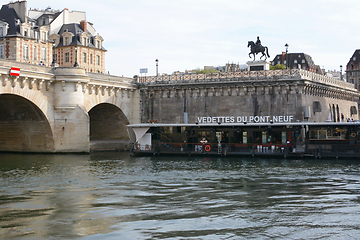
{"type": "Point", "coordinates": [190, 34]}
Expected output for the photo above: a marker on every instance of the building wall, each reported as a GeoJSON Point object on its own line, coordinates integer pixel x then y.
{"type": "Point", "coordinates": [14, 50]}
{"type": "Point", "coordinates": [89, 66]}
{"type": "Point", "coordinates": [166, 103]}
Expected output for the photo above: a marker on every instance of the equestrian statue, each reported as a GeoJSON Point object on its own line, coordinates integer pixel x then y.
{"type": "Point", "coordinates": [256, 48]}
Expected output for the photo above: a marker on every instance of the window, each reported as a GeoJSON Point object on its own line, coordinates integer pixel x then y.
{"type": "Point", "coordinates": [263, 137]}
{"type": "Point", "coordinates": [245, 137]}
{"type": "Point", "coordinates": [1, 51]}
{"type": "Point", "coordinates": [295, 61]}
{"type": "Point", "coordinates": [67, 57]}
{"type": "Point", "coordinates": [284, 61]}
{"type": "Point", "coordinates": [25, 33]}
{"type": "Point", "coordinates": [283, 137]}
{"type": "Point", "coordinates": [26, 52]}
{"type": "Point", "coordinates": [98, 60]}
{"type": "Point", "coordinates": [90, 59]}
{"type": "Point", "coordinates": [303, 61]}
{"type": "Point", "coordinates": [43, 36]}
{"type": "Point", "coordinates": [168, 129]}
{"type": "Point", "coordinates": [84, 57]}
{"type": "Point", "coordinates": [66, 41]}
{"type": "Point", "coordinates": [35, 53]}
{"type": "Point", "coordinates": [98, 44]}
{"type": "Point", "coordinates": [1, 32]}
{"type": "Point", "coordinates": [43, 54]}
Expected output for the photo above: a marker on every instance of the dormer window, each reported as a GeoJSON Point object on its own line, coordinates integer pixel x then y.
{"type": "Point", "coordinates": [98, 44]}
{"type": "Point", "coordinates": [84, 41]}
{"type": "Point", "coordinates": [1, 31]}
{"type": "Point", "coordinates": [66, 41]}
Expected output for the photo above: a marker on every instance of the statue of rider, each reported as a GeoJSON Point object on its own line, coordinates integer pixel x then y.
{"type": "Point", "coordinates": [258, 43]}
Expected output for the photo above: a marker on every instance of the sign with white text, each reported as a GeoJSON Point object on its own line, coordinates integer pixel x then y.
{"type": "Point", "coordinates": [247, 119]}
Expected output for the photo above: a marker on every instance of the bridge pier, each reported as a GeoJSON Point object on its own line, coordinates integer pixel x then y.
{"type": "Point", "coordinates": [71, 121]}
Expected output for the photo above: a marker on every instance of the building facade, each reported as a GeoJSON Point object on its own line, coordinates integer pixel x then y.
{"type": "Point", "coordinates": [353, 69]}
{"type": "Point", "coordinates": [21, 39]}
{"type": "Point", "coordinates": [43, 36]}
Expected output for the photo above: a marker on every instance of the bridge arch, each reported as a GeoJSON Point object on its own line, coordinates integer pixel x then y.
{"type": "Point", "coordinates": [23, 126]}
{"type": "Point", "coordinates": [108, 129]}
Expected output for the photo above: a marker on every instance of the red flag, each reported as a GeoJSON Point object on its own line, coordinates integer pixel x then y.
{"type": "Point", "coordinates": [15, 71]}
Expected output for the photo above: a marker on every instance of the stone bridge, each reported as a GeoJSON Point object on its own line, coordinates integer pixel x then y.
{"type": "Point", "coordinates": [64, 109]}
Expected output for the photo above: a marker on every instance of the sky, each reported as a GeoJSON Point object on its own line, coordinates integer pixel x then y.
{"type": "Point", "coordinates": [190, 34]}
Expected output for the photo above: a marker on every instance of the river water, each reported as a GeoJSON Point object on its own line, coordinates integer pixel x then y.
{"type": "Point", "coordinates": [115, 196]}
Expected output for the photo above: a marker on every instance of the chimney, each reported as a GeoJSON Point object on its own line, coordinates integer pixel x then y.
{"type": "Point", "coordinates": [283, 57]}
{"type": "Point", "coordinates": [83, 25]}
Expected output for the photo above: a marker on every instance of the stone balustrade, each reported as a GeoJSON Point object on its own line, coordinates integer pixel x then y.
{"type": "Point", "coordinates": [266, 75]}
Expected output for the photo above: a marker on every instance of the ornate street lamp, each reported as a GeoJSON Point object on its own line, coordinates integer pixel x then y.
{"type": "Point", "coordinates": [157, 61]}
{"type": "Point", "coordinates": [76, 63]}
{"type": "Point", "coordinates": [286, 47]}
{"type": "Point", "coordinates": [341, 78]}
{"type": "Point", "coordinates": [54, 63]}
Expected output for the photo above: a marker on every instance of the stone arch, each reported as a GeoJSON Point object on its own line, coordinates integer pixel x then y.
{"type": "Point", "coordinates": [23, 126]}
{"type": "Point", "coordinates": [38, 99]}
{"type": "Point", "coordinates": [107, 121]}
{"type": "Point", "coordinates": [108, 128]}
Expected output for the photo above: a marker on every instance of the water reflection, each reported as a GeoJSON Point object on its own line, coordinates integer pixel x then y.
{"type": "Point", "coordinates": [114, 196]}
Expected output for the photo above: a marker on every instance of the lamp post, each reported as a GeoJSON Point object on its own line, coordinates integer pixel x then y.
{"type": "Point", "coordinates": [53, 64]}
{"type": "Point", "coordinates": [76, 63]}
{"type": "Point", "coordinates": [286, 47]}
{"type": "Point", "coordinates": [157, 66]}
{"type": "Point", "coordinates": [341, 78]}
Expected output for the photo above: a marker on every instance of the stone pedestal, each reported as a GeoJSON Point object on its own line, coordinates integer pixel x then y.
{"type": "Point", "coordinates": [258, 65]}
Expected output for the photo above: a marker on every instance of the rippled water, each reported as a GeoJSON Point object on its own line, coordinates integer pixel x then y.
{"type": "Point", "coordinates": [114, 196]}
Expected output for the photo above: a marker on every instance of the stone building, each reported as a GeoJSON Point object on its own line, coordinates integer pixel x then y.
{"type": "Point", "coordinates": [297, 94]}
{"type": "Point", "coordinates": [42, 34]}
{"type": "Point", "coordinates": [21, 39]}
{"type": "Point", "coordinates": [353, 69]}
{"type": "Point", "coordinates": [296, 61]}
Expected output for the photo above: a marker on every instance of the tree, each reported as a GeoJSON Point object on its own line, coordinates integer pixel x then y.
{"type": "Point", "coordinates": [277, 67]}
{"type": "Point", "coordinates": [209, 70]}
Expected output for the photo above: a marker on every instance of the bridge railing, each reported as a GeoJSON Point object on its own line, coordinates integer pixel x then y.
{"type": "Point", "coordinates": [109, 78]}
{"type": "Point", "coordinates": [243, 75]}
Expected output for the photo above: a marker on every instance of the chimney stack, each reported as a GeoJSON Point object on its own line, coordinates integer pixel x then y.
{"type": "Point", "coordinates": [83, 25]}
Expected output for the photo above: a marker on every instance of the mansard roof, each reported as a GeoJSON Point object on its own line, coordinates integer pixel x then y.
{"type": "Point", "coordinates": [291, 57]}
{"type": "Point", "coordinates": [75, 29]}
{"type": "Point", "coordinates": [355, 59]}
{"type": "Point", "coordinates": [8, 14]}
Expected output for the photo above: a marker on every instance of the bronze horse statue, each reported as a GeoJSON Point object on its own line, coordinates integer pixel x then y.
{"type": "Point", "coordinates": [255, 49]}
